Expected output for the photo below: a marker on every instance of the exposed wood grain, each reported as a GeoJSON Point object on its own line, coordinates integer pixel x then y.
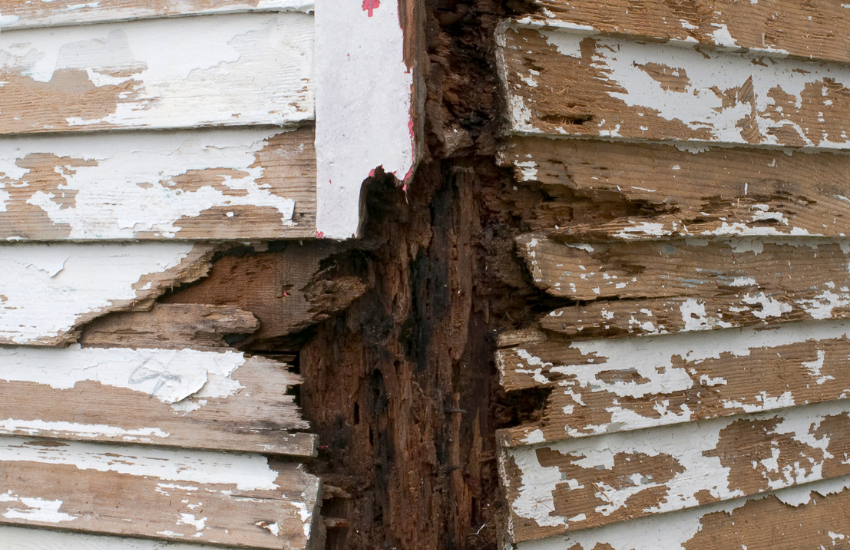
{"type": "Point", "coordinates": [816, 515]}
{"type": "Point", "coordinates": [18, 14]}
{"type": "Point", "coordinates": [49, 291]}
{"type": "Point", "coordinates": [606, 386]}
{"type": "Point", "coordinates": [197, 496]}
{"type": "Point", "coordinates": [211, 184]}
{"type": "Point", "coordinates": [165, 73]}
{"type": "Point", "coordinates": [184, 398]}
{"type": "Point", "coordinates": [168, 326]}
{"type": "Point", "coordinates": [609, 191]}
{"type": "Point", "coordinates": [694, 284]}
{"type": "Point", "coordinates": [564, 83]}
{"type": "Point", "coordinates": [589, 482]}
{"type": "Point", "coordinates": [24, 538]}
{"type": "Point", "coordinates": [814, 29]}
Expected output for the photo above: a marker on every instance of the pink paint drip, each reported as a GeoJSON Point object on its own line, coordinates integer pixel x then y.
{"type": "Point", "coordinates": [371, 6]}
{"type": "Point", "coordinates": [320, 234]}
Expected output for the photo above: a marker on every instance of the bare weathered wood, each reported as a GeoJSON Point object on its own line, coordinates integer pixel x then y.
{"type": "Point", "coordinates": [816, 515]}
{"type": "Point", "coordinates": [606, 386]}
{"type": "Point", "coordinates": [192, 496]}
{"type": "Point", "coordinates": [814, 29]}
{"type": "Point", "coordinates": [609, 191]}
{"type": "Point", "coordinates": [168, 326]}
{"type": "Point", "coordinates": [210, 184]}
{"type": "Point", "coordinates": [21, 14]}
{"type": "Point", "coordinates": [590, 482]}
{"type": "Point", "coordinates": [49, 291]}
{"type": "Point", "coordinates": [564, 83]}
{"type": "Point", "coordinates": [164, 73]}
{"type": "Point", "coordinates": [184, 398]}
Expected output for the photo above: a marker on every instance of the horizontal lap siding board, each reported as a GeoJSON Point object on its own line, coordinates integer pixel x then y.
{"type": "Point", "coordinates": [596, 481]}
{"type": "Point", "coordinates": [49, 291]}
{"type": "Point", "coordinates": [185, 398]}
{"type": "Point", "coordinates": [24, 538]}
{"type": "Point", "coordinates": [193, 496]}
{"type": "Point", "coordinates": [564, 83]}
{"type": "Point", "coordinates": [815, 29]}
{"type": "Point", "coordinates": [22, 14]}
{"type": "Point", "coordinates": [257, 183]}
{"type": "Point", "coordinates": [816, 515]}
{"type": "Point", "coordinates": [226, 70]}
{"type": "Point", "coordinates": [606, 386]}
{"type": "Point", "coordinates": [626, 191]}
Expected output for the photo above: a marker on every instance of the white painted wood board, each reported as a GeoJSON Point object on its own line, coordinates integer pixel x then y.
{"type": "Point", "coordinates": [25, 538]}
{"type": "Point", "coordinates": [47, 291]}
{"type": "Point", "coordinates": [226, 70]}
{"type": "Point", "coordinates": [207, 184]}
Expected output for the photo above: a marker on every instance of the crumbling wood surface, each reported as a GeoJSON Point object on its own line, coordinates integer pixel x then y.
{"type": "Point", "coordinates": [811, 30]}
{"type": "Point", "coordinates": [184, 398]}
{"type": "Point", "coordinates": [606, 386]}
{"type": "Point", "coordinates": [564, 83]}
{"type": "Point", "coordinates": [589, 482]}
{"type": "Point", "coordinates": [50, 291]}
{"type": "Point", "coordinates": [17, 14]}
{"type": "Point", "coordinates": [166, 73]}
{"type": "Point", "coordinates": [252, 183]}
{"type": "Point", "coordinates": [202, 497]}
{"type": "Point", "coordinates": [812, 516]}
{"type": "Point", "coordinates": [610, 191]}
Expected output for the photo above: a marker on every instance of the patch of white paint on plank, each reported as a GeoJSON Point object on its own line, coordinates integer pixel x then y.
{"type": "Point", "coordinates": [21, 538]}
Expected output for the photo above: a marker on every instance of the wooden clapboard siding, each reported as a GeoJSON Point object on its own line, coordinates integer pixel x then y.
{"type": "Point", "coordinates": [564, 83]}
{"type": "Point", "coordinates": [816, 515]}
{"type": "Point", "coordinates": [23, 538]}
{"type": "Point", "coordinates": [610, 191]}
{"type": "Point", "coordinates": [815, 29]}
{"type": "Point", "coordinates": [590, 482]}
{"type": "Point", "coordinates": [193, 496]}
{"type": "Point", "coordinates": [22, 14]}
{"type": "Point", "coordinates": [168, 73]}
{"type": "Point", "coordinates": [212, 184]}
{"type": "Point", "coordinates": [257, 183]}
{"type": "Point", "coordinates": [605, 386]}
{"type": "Point", "coordinates": [185, 398]}
{"type": "Point", "coordinates": [48, 291]}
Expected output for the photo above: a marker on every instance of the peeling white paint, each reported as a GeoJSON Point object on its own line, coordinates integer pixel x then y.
{"type": "Point", "coordinates": [36, 510]}
{"type": "Point", "coordinates": [19, 538]}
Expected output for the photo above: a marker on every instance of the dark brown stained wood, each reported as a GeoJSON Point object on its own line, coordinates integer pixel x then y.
{"type": "Point", "coordinates": [565, 83]}
{"type": "Point", "coordinates": [609, 191]}
{"type": "Point", "coordinates": [605, 386]}
{"type": "Point", "coordinates": [168, 326]}
{"type": "Point", "coordinates": [814, 516]}
{"type": "Point", "coordinates": [287, 289]}
{"type": "Point", "coordinates": [591, 482]}
{"type": "Point", "coordinates": [814, 29]}
{"type": "Point", "coordinates": [178, 398]}
{"type": "Point", "coordinates": [200, 497]}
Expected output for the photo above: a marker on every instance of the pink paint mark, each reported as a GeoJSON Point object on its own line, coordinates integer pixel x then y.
{"type": "Point", "coordinates": [404, 188]}
{"type": "Point", "coordinates": [372, 173]}
{"type": "Point", "coordinates": [320, 234]}
{"type": "Point", "coordinates": [371, 6]}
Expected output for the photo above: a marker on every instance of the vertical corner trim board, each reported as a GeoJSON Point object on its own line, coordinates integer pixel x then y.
{"type": "Point", "coordinates": [221, 70]}
{"type": "Point", "coordinates": [365, 109]}
{"type": "Point", "coordinates": [188, 496]}
{"type": "Point", "coordinates": [566, 83]}
{"type": "Point", "coordinates": [48, 291]}
{"type": "Point", "coordinates": [590, 482]}
{"type": "Point", "coordinates": [184, 398]}
{"type": "Point", "coordinates": [245, 183]}
{"type": "Point", "coordinates": [22, 14]}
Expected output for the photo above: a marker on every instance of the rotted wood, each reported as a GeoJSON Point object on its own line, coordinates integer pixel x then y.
{"type": "Point", "coordinates": [565, 83]}
{"type": "Point", "coordinates": [815, 515]}
{"type": "Point", "coordinates": [606, 386]}
{"type": "Point", "coordinates": [17, 14]}
{"type": "Point", "coordinates": [193, 496]}
{"type": "Point", "coordinates": [227, 70]}
{"type": "Point", "coordinates": [689, 284]}
{"type": "Point", "coordinates": [616, 191]}
{"type": "Point", "coordinates": [591, 482]}
{"type": "Point", "coordinates": [257, 183]}
{"type": "Point", "coordinates": [183, 398]}
{"type": "Point", "coordinates": [811, 30]}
